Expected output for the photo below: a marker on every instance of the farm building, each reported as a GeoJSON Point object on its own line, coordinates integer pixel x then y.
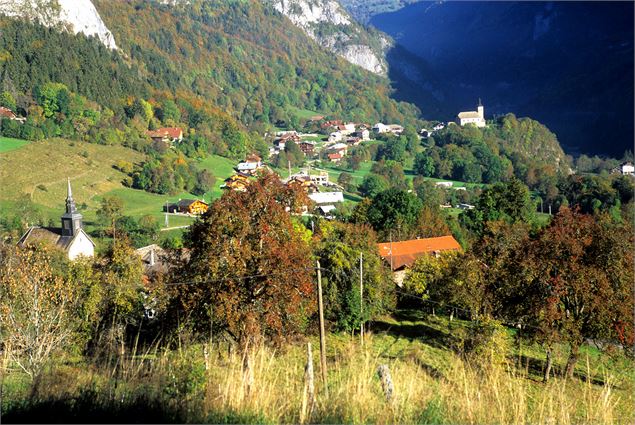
{"type": "Point", "coordinates": [401, 255]}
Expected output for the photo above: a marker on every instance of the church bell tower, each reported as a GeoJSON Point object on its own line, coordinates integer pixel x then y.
{"type": "Point", "coordinates": [71, 219]}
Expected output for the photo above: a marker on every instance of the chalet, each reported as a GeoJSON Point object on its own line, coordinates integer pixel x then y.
{"type": "Point", "coordinates": [331, 124]}
{"type": "Point", "coordinates": [9, 114]}
{"type": "Point", "coordinates": [335, 136]}
{"type": "Point", "coordinates": [302, 181]}
{"type": "Point", "coordinates": [341, 148]}
{"type": "Point", "coordinates": [237, 182]}
{"type": "Point", "coordinates": [473, 117]}
{"type": "Point", "coordinates": [250, 165]}
{"type": "Point", "coordinates": [325, 201]}
{"type": "Point", "coordinates": [308, 148]}
{"type": "Point", "coordinates": [166, 134]}
{"type": "Point", "coordinates": [71, 237]}
{"type": "Point", "coordinates": [380, 128]}
{"type": "Point", "coordinates": [334, 157]}
{"type": "Point", "coordinates": [346, 129]}
{"type": "Point", "coordinates": [187, 206]}
{"type": "Point", "coordinates": [362, 134]}
{"type": "Point", "coordinates": [401, 255]}
{"type": "Point", "coordinates": [395, 129]}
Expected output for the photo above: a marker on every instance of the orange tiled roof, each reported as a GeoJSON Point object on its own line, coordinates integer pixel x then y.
{"type": "Point", "coordinates": [172, 132]}
{"type": "Point", "coordinates": [334, 156]}
{"type": "Point", "coordinates": [406, 252]}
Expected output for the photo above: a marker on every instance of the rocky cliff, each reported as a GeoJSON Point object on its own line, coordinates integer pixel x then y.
{"type": "Point", "coordinates": [75, 15]}
{"type": "Point", "coordinates": [329, 24]}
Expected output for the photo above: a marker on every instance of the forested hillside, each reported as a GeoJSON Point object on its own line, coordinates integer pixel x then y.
{"type": "Point", "coordinates": [247, 59]}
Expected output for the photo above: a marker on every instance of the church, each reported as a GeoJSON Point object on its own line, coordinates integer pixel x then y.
{"type": "Point", "coordinates": [473, 117]}
{"type": "Point", "coordinates": [71, 237]}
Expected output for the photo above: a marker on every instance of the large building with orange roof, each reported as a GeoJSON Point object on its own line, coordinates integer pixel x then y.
{"type": "Point", "coordinates": [401, 255]}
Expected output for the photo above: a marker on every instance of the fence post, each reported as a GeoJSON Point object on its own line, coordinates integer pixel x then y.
{"type": "Point", "coordinates": [308, 393]}
{"type": "Point", "coordinates": [386, 382]}
{"type": "Point", "coordinates": [322, 333]}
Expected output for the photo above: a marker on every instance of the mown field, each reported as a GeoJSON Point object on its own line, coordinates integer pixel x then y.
{"type": "Point", "coordinates": [8, 144]}
{"type": "Point", "coordinates": [432, 382]}
{"type": "Point", "coordinates": [40, 170]}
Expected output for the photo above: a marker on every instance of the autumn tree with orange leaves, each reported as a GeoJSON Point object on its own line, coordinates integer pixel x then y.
{"type": "Point", "coordinates": [249, 270]}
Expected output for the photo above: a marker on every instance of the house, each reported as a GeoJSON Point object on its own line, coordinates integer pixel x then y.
{"type": "Point", "coordinates": [325, 201]}
{"type": "Point", "coordinates": [438, 127]}
{"type": "Point", "coordinates": [341, 148]}
{"type": "Point", "coordinates": [473, 117]}
{"type": "Point", "coordinates": [331, 124]}
{"type": "Point", "coordinates": [334, 157]}
{"type": "Point", "coordinates": [335, 136]}
{"type": "Point", "coordinates": [444, 184]}
{"type": "Point", "coordinates": [395, 129]}
{"type": "Point", "coordinates": [187, 206]}
{"type": "Point", "coordinates": [250, 165]}
{"type": "Point", "coordinates": [152, 256]}
{"type": "Point", "coordinates": [401, 255]}
{"type": "Point", "coordinates": [9, 114]}
{"type": "Point", "coordinates": [346, 129]}
{"type": "Point", "coordinates": [353, 141]}
{"type": "Point", "coordinates": [307, 148]}
{"type": "Point", "coordinates": [71, 237]}
{"type": "Point", "coordinates": [302, 181]}
{"type": "Point", "coordinates": [166, 134]}
{"type": "Point", "coordinates": [465, 206]}
{"type": "Point", "coordinates": [325, 198]}
{"type": "Point", "coordinates": [627, 169]}
{"type": "Point", "coordinates": [362, 134]}
{"type": "Point", "coordinates": [380, 128]}
{"type": "Point", "coordinates": [237, 182]}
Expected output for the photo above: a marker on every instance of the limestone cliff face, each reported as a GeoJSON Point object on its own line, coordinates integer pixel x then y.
{"type": "Point", "coordinates": [74, 15]}
{"type": "Point", "coordinates": [330, 25]}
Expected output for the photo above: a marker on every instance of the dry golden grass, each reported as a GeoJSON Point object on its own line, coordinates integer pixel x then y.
{"type": "Point", "coordinates": [183, 390]}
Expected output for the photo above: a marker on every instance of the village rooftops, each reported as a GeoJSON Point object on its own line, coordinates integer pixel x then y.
{"type": "Point", "coordinates": [174, 133]}
{"type": "Point", "coordinates": [403, 254]}
{"type": "Point", "coordinates": [322, 198]}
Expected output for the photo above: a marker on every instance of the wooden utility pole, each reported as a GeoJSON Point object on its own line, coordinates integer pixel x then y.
{"type": "Point", "coordinates": [322, 334]}
{"type": "Point", "coordinates": [361, 297]}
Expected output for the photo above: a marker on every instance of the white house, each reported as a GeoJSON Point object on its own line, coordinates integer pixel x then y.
{"type": "Point", "coordinates": [443, 184]}
{"type": "Point", "coordinates": [473, 117]}
{"type": "Point", "coordinates": [335, 136]}
{"type": "Point", "coordinates": [71, 237]}
{"type": "Point", "coordinates": [395, 129]}
{"type": "Point", "coordinates": [326, 198]}
{"type": "Point", "coordinates": [627, 169]}
{"type": "Point", "coordinates": [380, 128]}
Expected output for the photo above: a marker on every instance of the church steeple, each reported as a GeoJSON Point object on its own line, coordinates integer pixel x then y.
{"type": "Point", "coordinates": [71, 219]}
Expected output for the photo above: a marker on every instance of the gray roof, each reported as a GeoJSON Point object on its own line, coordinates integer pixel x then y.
{"type": "Point", "coordinates": [49, 236]}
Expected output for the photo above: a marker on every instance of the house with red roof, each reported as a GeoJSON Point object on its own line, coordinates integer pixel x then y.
{"type": "Point", "coordinates": [401, 255]}
{"type": "Point", "coordinates": [166, 134]}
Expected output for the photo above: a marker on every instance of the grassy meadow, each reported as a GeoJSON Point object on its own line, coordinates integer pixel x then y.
{"type": "Point", "coordinates": [432, 383]}
{"type": "Point", "coordinates": [9, 144]}
{"type": "Point", "coordinates": [40, 170]}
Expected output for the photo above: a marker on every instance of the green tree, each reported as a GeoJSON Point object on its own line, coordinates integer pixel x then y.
{"type": "Point", "coordinates": [394, 210]}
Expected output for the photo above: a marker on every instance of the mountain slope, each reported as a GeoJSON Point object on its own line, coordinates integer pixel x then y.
{"type": "Point", "coordinates": [245, 57]}
{"type": "Point", "coordinates": [566, 64]}
{"type": "Point", "coordinates": [328, 23]}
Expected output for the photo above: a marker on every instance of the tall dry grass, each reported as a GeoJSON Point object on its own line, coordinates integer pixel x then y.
{"type": "Point", "coordinates": [177, 386]}
{"type": "Point", "coordinates": [465, 393]}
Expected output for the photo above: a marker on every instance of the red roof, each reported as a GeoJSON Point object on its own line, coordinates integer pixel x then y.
{"type": "Point", "coordinates": [7, 113]}
{"type": "Point", "coordinates": [171, 132]}
{"type": "Point", "coordinates": [335, 156]}
{"type": "Point", "coordinates": [406, 252]}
